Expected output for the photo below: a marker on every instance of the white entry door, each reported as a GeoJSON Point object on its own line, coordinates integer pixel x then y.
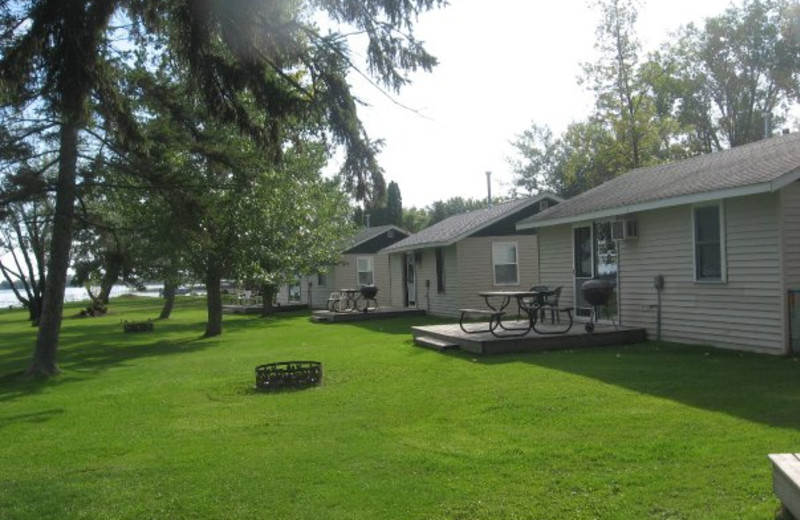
{"type": "Point", "coordinates": [595, 256]}
{"type": "Point", "coordinates": [411, 281]}
{"type": "Point", "coordinates": [583, 266]}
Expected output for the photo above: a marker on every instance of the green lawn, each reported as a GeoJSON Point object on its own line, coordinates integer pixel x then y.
{"type": "Point", "coordinates": [166, 425]}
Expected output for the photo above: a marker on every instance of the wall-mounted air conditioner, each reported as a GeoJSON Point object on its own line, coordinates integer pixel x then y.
{"type": "Point", "coordinates": [625, 229]}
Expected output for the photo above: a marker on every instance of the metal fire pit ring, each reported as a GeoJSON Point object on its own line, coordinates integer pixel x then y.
{"type": "Point", "coordinates": [288, 375]}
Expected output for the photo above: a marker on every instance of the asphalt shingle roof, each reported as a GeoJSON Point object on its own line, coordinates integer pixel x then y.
{"type": "Point", "coordinates": [369, 233]}
{"type": "Point", "coordinates": [755, 163]}
{"type": "Point", "coordinates": [456, 227]}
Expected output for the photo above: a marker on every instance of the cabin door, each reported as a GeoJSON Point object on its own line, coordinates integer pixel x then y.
{"type": "Point", "coordinates": [595, 256]}
{"type": "Point", "coordinates": [411, 281]}
{"type": "Point", "coordinates": [583, 266]}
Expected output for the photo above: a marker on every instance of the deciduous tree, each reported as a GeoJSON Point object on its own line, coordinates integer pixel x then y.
{"type": "Point", "coordinates": [737, 73]}
{"type": "Point", "coordinates": [265, 53]}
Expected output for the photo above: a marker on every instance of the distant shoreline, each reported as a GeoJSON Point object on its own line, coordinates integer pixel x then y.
{"type": "Point", "coordinates": [77, 294]}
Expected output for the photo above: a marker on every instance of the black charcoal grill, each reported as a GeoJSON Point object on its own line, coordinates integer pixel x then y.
{"type": "Point", "coordinates": [596, 292]}
{"type": "Point", "coordinates": [369, 291]}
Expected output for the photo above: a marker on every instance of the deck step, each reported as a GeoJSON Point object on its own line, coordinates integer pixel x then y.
{"type": "Point", "coordinates": [435, 344]}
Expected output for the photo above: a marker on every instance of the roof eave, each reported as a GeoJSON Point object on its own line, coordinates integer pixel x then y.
{"type": "Point", "coordinates": [446, 243]}
{"type": "Point", "coordinates": [486, 224]}
{"type": "Point", "coordinates": [415, 247]}
{"type": "Point", "coordinates": [393, 227]}
{"type": "Point", "coordinates": [695, 198]}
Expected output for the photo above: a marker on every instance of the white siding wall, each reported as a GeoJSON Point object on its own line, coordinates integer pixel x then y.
{"type": "Point", "coordinates": [555, 261]}
{"type": "Point", "coordinates": [340, 276]}
{"type": "Point", "coordinates": [790, 219]}
{"type": "Point", "coordinates": [790, 234]}
{"type": "Point", "coordinates": [397, 292]}
{"type": "Point", "coordinates": [319, 293]}
{"type": "Point", "coordinates": [428, 297]}
{"type": "Point", "coordinates": [468, 270]}
{"type": "Point", "coordinates": [282, 295]}
{"type": "Point", "coordinates": [744, 313]}
{"type": "Point", "coordinates": [475, 271]}
{"type": "Point", "coordinates": [346, 273]}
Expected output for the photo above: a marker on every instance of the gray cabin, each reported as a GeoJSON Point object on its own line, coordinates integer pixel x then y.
{"type": "Point", "coordinates": [720, 231]}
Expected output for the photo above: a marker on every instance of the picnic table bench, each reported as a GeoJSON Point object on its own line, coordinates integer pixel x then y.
{"type": "Point", "coordinates": [786, 480]}
{"type": "Point", "coordinates": [493, 315]}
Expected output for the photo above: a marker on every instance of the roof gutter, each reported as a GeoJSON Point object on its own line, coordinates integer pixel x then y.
{"type": "Point", "coordinates": [415, 247]}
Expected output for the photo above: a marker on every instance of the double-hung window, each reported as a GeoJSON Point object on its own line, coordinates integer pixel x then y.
{"type": "Point", "coordinates": [365, 270]}
{"type": "Point", "coordinates": [440, 285]}
{"type": "Point", "coordinates": [505, 262]}
{"type": "Point", "coordinates": [709, 243]}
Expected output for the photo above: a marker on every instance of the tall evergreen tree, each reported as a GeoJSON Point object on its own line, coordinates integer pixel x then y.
{"type": "Point", "coordinates": [394, 205]}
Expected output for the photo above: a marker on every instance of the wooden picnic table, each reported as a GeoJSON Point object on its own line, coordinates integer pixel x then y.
{"type": "Point", "coordinates": [347, 300]}
{"type": "Point", "coordinates": [350, 299]}
{"type": "Point", "coordinates": [530, 302]}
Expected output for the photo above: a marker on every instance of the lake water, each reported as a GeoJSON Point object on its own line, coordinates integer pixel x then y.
{"type": "Point", "coordinates": [76, 294]}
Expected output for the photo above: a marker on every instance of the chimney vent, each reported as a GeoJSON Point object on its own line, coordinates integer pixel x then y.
{"type": "Point", "coordinates": [489, 188]}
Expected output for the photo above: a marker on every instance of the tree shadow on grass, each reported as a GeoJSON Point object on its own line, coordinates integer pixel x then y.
{"type": "Point", "coordinates": [31, 418]}
{"type": "Point", "coordinates": [395, 326]}
{"type": "Point", "coordinates": [78, 363]}
{"type": "Point", "coordinates": [755, 387]}
{"type": "Point", "coordinates": [102, 344]}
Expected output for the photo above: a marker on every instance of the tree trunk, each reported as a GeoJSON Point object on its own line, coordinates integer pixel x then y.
{"type": "Point", "coordinates": [111, 276]}
{"type": "Point", "coordinates": [96, 308]}
{"type": "Point", "coordinates": [35, 310]}
{"type": "Point", "coordinates": [44, 354]}
{"type": "Point", "coordinates": [74, 76]}
{"type": "Point", "coordinates": [169, 300]}
{"type": "Point", "coordinates": [214, 301]}
{"type": "Point", "coordinates": [267, 295]}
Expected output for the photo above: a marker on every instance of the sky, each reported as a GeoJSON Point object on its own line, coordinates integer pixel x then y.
{"type": "Point", "coordinates": [503, 64]}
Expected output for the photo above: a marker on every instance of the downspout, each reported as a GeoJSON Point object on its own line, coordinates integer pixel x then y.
{"type": "Point", "coordinates": [428, 295]}
{"type": "Point", "coordinates": [658, 283]}
{"type": "Point", "coordinates": [619, 284]}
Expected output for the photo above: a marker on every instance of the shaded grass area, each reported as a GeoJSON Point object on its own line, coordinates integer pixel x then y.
{"type": "Point", "coordinates": [166, 425]}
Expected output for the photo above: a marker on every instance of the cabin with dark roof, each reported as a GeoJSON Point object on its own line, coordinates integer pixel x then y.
{"type": "Point", "coordinates": [702, 251]}
{"type": "Point", "coordinates": [443, 267]}
{"type": "Point", "coordinates": [361, 263]}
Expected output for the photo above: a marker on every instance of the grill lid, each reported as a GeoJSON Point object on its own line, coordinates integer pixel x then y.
{"type": "Point", "coordinates": [596, 291]}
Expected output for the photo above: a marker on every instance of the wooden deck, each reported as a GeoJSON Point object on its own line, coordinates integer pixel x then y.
{"type": "Point", "coordinates": [786, 481]}
{"type": "Point", "coordinates": [256, 309]}
{"type": "Point", "coordinates": [443, 337]}
{"type": "Point", "coordinates": [325, 316]}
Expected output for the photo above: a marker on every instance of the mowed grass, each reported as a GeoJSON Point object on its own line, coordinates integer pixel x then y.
{"type": "Point", "coordinates": [167, 425]}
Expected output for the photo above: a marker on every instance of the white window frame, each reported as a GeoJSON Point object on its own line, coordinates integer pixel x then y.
{"type": "Point", "coordinates": [723, 267]}
{"type": "Point", "coordinates": [292, 285]}
{"type": "Point", "coordinates": [495, 246]}
{"type": "Point", "coordinates": [370, 269]}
